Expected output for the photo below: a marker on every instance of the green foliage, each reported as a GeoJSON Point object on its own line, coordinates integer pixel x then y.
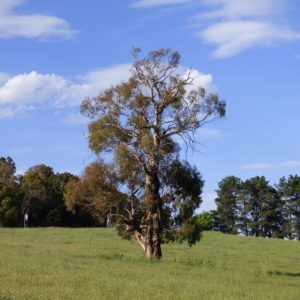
{"type": "Point", "coordinates": [190, 232]}
{"type": "Point", "coordinates": [183, 187]}
{"type": "Point", "coordinates": [54, 217]}
{"type": "Point", "coordinates": [289, 191]}
{"type": "Point", "coordinates": [254, 207]}
{"type": "Point", "coordinates": [7, 170]}
{"type": "Point", "coordinates": [41, 194]}
{"type": "Point", "coordinates": [10, 205]}
{"type": "Point", "coordinates": [263, 206]}
{"type": "Point", "coordinates": [10, 216]}
{"type": "Point", "coordinates": [94, 193]}
{"type": "Point", "coordinates": [205, 220]}
{"type": "Point", "coordinates": [228, 193]}
{"type": "Point", "coordinates": [10, 196]}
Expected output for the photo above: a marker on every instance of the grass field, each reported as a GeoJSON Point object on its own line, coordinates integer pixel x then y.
{"type": "Point", "coordinates": [88, 264]}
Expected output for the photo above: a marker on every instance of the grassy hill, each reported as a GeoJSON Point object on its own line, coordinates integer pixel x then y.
{"type": "Point", "coordinates": [88, 264]}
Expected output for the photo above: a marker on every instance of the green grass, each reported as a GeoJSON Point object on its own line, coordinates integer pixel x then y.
{"type": "Point", "coordinates": [89, 264]}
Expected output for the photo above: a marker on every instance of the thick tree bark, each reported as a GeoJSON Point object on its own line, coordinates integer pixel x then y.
{"type": "Point", "coordinates": [153, 221]}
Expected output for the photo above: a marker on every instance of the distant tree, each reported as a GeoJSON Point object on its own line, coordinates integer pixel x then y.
{"type": "Point", "coordinates": [217, 224]}
{"type": "Point", "coordinates": [227, 204]}
{"type": "Point", "coordinates": [289, 192]}
{"type": "Point", "coordinates": [42, 196]}
{"type": "Point", "coordinates": [138, 120]}
{"type": "Point", "coordinates": [10, 195]}
{"type": "Point", "coordinates": [263, 208]}
{"type": "Point", "coordinates": [94, 194]}
{"type": "Point", "coordinates": [272, 221]}
{"type": "Point", "coordinates": [76, 218]}
{"type": "Point", "coordinates": [10, 205]}
{"type": "Point", "coordinates": [181, 188]}
{"type": "Point", "coordinates": [205, 220]}
{"type": "Point", "coordinates": [7, 170]}
{"type": "Point", "coordinates": [243, 210]}
{"type": "Point", "coordinates": [252, 192]}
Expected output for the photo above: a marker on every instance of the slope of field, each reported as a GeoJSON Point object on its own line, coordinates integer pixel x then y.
{"type": "Point", "coordinates": [88, 264]}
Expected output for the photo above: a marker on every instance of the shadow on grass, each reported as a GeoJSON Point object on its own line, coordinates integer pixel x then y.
{"type": "Point", "coordinates": [297, 274]}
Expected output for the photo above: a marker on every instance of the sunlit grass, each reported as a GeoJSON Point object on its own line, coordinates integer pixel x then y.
{"type": "Point", "coordinates": [97, 264]}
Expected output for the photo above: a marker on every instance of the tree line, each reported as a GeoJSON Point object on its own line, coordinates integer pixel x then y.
{"type": "Point", "coordinates": [39, 193]}
{"type": "Point", "coordinates": [254, 207]}
{"type": "Point", "coordinates": [96, 198]}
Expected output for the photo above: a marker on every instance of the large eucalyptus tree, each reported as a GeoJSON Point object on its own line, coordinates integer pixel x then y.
{"type": "Point", "coordinates": [140, 121]}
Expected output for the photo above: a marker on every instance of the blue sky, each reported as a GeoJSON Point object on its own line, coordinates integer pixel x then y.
{"type": "Point", "coordinates": [56, 53]}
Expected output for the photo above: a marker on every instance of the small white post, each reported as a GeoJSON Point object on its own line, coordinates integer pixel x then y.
{"type": "Point", "coordinates": [25, 219]}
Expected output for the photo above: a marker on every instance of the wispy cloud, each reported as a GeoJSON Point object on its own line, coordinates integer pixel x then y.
{"type": "Point", "coordinates": [297, 56]}
{"type": "Point", "coordinates": [21, 151]}
{"type": "Point", "coordinates": [151, 3]}
{"type": "Point", "coordinates": [234, 26]}
{"type": "Point", "coordinates": [235, 37]}
{"type": "Point", "coordinates": [290, 164]}
{"type": "Point", "coordinates": [265, 166]}
{"type": "Point", "coordinates": [11, 111]}
{"type": "Point", "coordinates": [209, 133]}
{"type": "Point", "coordinates": [75, 119]}
{"type": "Point", "coordinates": [13, 24]}
{"type": "Point", "coordinates": [257, 166]}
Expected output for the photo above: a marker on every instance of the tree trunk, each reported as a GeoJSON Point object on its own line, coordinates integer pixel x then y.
{"type": "Point", "coordinates": [152, 197]}
{"type": "Point", "coordinates": [153, 221]}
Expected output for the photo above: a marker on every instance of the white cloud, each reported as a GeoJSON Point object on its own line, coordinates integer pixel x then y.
{"type": "Point", "coordinates": [13, 24]}
{"type": "Point", "coordinates": [264, 166]}
{"type": "Point", "coordinates": [106, 77]}
{"type": "Point", "coordinates": [198, 80]}
{"type": "Point", "coordinates": [151, 3]}
{"type": "Point", "coordinates": [31, 88]}
{"type": "Point", "coordinates": [24, 92]}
